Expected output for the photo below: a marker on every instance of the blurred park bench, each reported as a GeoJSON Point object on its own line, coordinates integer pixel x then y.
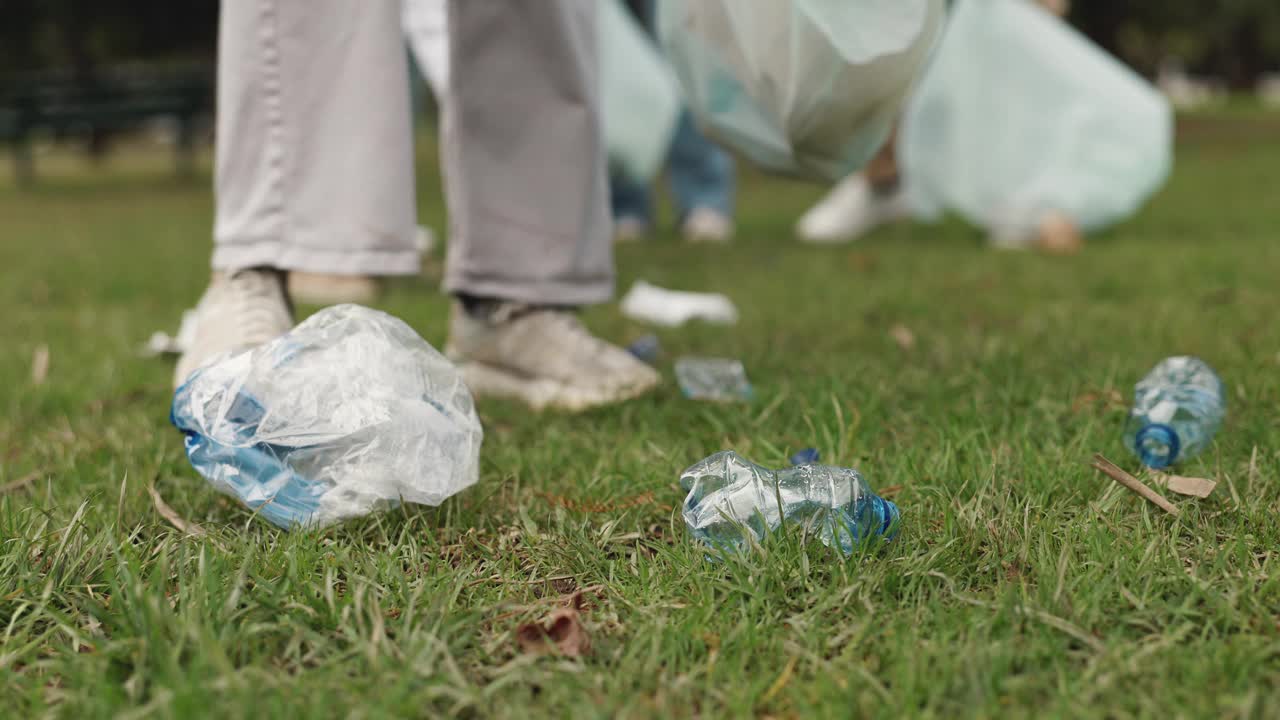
{"type": "Point", "coordinates": [112, 101]}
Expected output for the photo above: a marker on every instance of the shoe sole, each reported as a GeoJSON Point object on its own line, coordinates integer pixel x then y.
{"type": "Point", "coordinates": [542, 394]}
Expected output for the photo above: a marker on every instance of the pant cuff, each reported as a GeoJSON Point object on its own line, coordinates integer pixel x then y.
{"type": "Point", "coordinates": [535, 292]}
{"type": "Point", "coordinates": [290, 256]}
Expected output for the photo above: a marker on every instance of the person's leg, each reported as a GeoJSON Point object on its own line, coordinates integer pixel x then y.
{"type": "Point", "coordinates": [1057, 7]}
{"type": "Point", "coordinates": [702, 183]}
{"type": "Point", "coordinates": [314, 160]}
{"type": "Point", "coordinates": [700, 173]}
{"type": "Point", "coordinates": [630, 201]}
{"type": "Point", "coordinates": [632, 208]}
{"type": "Point", "coordinates": [860, 203]}
{"type": "Point", "coordinates": [528, 204]}
{"type": "Point", "coordinates": [524, 153]}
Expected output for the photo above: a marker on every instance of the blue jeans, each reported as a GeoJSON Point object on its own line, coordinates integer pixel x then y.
{"type": "Point", "coordinates": [701, 174]}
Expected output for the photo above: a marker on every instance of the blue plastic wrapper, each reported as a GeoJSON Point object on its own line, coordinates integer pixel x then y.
{"type": "Point", "coordinates": [807, 456]}
{"type": "Point", "coordinates": [646, 348]}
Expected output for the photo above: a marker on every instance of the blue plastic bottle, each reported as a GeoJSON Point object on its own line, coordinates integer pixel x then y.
{"type": "Point", "coordinates": [1177, 408]}
{"type": "Point", "coordinates": [730, 495]}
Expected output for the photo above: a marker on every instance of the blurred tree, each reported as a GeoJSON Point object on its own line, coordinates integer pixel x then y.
{"type": "Point", "coordinates": [78, 39]}
{"type": "Point", "coordinates": [1233, 39]}
{"type": "Point", "coordinates": [79, 36]}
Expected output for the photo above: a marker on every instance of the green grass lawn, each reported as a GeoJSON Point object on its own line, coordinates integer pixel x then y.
{"type": "Point", "coordinates": [1023, 583]}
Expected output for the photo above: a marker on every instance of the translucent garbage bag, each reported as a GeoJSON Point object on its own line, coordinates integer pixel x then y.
{"type": "Point", "coordinates": [1019, 116]}
{"type": "Point", "coordinates": [806, 87]}
{"type": "Point", "coordinates": [639, 96]}
{"type": "Point", "coordinates": [349, 412]}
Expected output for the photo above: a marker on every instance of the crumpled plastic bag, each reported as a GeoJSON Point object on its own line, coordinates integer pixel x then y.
{"type": "Point", "coordinates": [805, 87]}
{"type": "Point", "coordinates": [1020, 116]}
{"type": "Point", "coordinates": [349, 412]}
{"type": "Point", "coordinates": [639, 96]}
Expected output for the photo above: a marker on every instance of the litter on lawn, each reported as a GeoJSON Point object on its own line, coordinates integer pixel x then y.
{"type": "Point", "coordinates": [349, 412]}
{"type": "Point", "coordinates": [715, 379]}
{"type": "Point", "coordinates": [1177, 409]}
{"type": "Point", "coordinates": [733, 501]}
{"type": "Point", "coordinates": [673, 308]}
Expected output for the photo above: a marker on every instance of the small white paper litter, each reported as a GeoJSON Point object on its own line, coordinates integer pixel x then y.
{"type": "Point", "coordinates": [672, 308]}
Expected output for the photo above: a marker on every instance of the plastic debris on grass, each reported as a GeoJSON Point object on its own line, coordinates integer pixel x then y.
{"type": "Point", "coordinates": [349, 412]}
{"type": "Point", "coordinates": [672, 308]}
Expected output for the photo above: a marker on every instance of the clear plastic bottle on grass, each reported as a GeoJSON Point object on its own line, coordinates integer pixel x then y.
{"type": "Point", "coordinates": [714, 379]}
{"type": "Point", "coordinates": [731, 497]}
{"type": "Point", "coordinates": [1177, 408]}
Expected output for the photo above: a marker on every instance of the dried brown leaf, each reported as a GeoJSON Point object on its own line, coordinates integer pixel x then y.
{"type": "Point", "coordinates": [561, 631]}
{"type": "Point", "coordinates": [903, 336]}
{"type": "Point", "coordinates": [1106, 400]}
{"type": "Point", "coordinates": [1189, 486]}
{"type": "Point", "coordinates": [40, 365]}
{"type": "Point", "coordinates": [172, 516]}
{"type": "Point", "coordinates": [862, 262]}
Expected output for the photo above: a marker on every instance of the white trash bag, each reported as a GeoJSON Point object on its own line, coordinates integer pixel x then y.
{"type": "Point", "coordinates": [349, 412]}
{"type": "Point", "coordinates": [639, 96]}
{"type": "Point", "coordinates": [806, 87]}
{"type": "Point", "coordinates": [1020, 117]}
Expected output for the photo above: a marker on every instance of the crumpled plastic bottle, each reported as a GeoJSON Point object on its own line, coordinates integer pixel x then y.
{"type": "Point", "coordinates": [715, 379]}
{"type": "Point", "coordinates": [349, 412]}
{"type": "Point", "coordinates": [731, 497]}
{"type": "Point", "coordinates": [1177, 409]}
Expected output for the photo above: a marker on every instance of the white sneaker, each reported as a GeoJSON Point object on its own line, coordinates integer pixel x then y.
{"type": "Point", "coordinates": [239, 311]}
{"type": "Point", "coordinates": [707, 225]}
{"type": "Point", "coordinates": [629, 229]}
{"type": "Point", "coordinates": [849, 211]}
{"type": "Point", "coordinates": [543, 357]}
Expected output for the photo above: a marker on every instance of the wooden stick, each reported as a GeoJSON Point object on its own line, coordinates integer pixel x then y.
{"type": "Point", "coordinates": [1108, 468]}
{"type": "Point", "coordinates": [19, 483]}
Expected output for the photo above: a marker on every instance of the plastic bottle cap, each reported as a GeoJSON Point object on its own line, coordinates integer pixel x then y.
{"type": "Point", "coordinates": [1157, 445]}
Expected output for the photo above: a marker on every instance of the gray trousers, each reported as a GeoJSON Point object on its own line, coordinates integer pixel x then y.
{"type": "Point", "coordinates": [314, 154]}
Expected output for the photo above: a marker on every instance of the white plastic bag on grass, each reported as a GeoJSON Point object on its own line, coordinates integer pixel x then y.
{"type": "Point", "coordinates": [349, 412]}
{"type": "Point", "coordinates": [1019, 117]}
{"type": "Point", "coordinates": [808, 87]}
